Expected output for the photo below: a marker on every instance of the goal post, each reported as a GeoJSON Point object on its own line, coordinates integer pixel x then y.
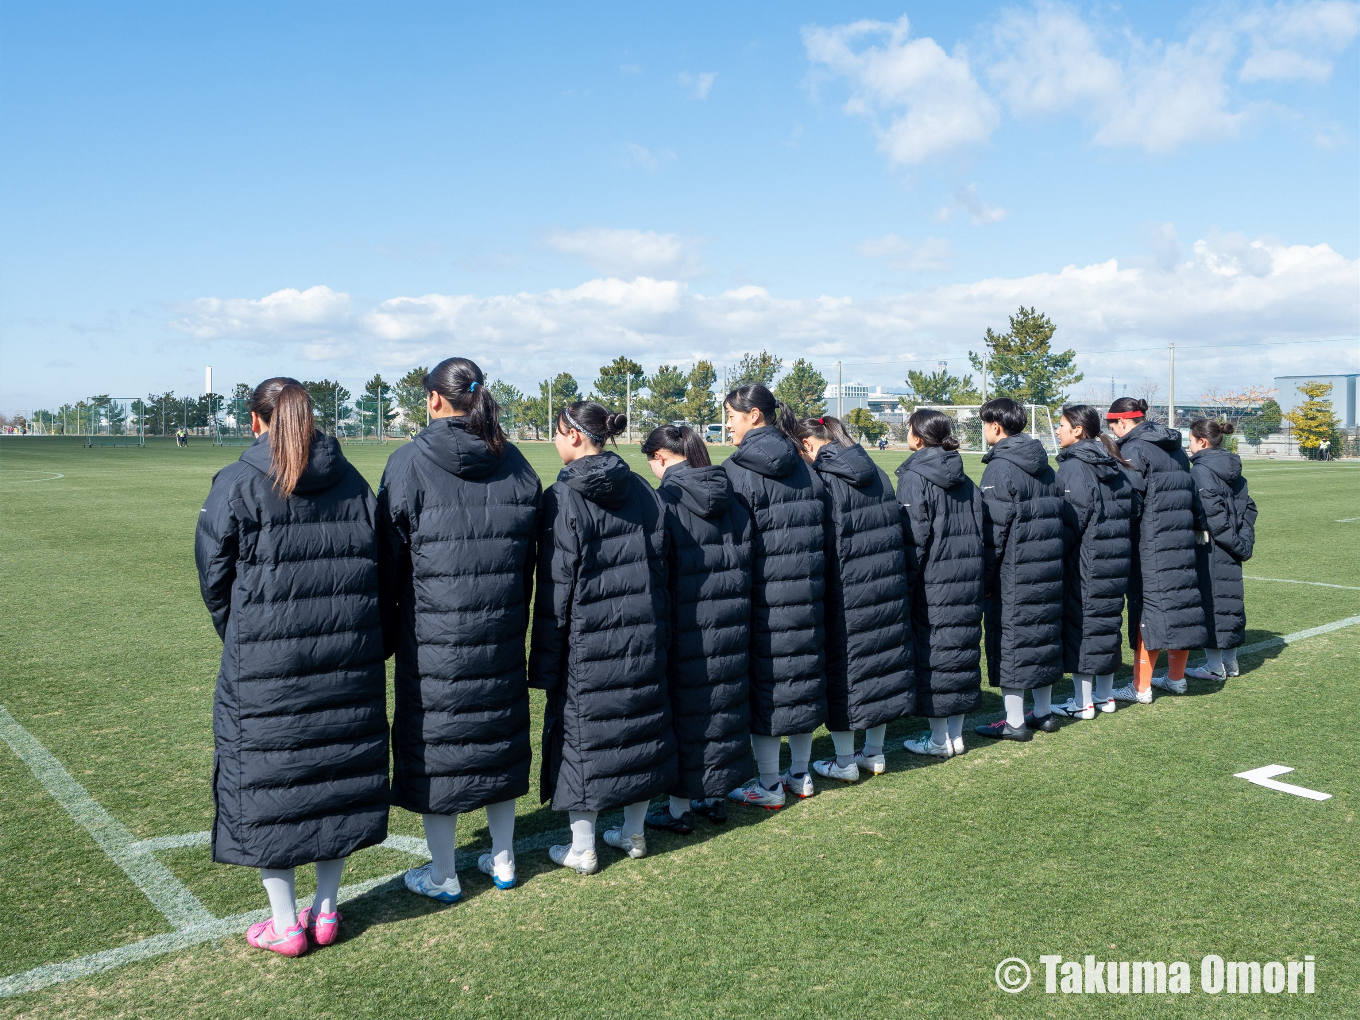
{"type": "Point", "coordinates": [119, 421]}
{"type": "Point", "coordinates": [233, 427]}
{"type": "Point", "coordinates": [967, 425]}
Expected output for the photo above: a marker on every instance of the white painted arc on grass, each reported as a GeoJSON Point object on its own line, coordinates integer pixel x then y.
{"type": "Point", "coordinates": [1315, 584]}
{"type": "Point", "coordinates": [1262, 777]}
{"type": "Point", "coordinates": [166, 892]}
{"type": "Point", "coordinates": [1300, 635]}
{"type": "Point", "coordinates": [52, 476]}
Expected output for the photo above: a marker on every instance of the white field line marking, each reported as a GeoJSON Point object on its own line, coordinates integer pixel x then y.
{"type": "Point", "coordinates": [1300, 635]}
{"type": "Point", "coordinates": [1261, 777]}
{"type": "Point", "coordinates": [1315, 584]}
{"type": "Point", "coordinates": [1347, 520]}
{"type": "Point", "coordinates": [150, 846]}
{"type": "Point", "coordinates": [217, 928]}
{"type": "Point", "coordinates": [166, 892]}
{"type": "Point", "coordinates": [52, 476]}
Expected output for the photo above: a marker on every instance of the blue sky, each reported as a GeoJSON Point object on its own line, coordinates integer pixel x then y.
{"type": "Point", "coordinates": [330, 189]}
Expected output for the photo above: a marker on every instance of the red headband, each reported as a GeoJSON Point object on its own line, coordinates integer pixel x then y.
{"type": "Point", "coordinates": [821, 421]}
{"type": "Point", "coordinates": [1113, 415]}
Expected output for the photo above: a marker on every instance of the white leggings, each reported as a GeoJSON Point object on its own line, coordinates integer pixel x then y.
{"type": "Point", "coordinates": [441, 832]}
{"type": "Point", "coordinates": [1218, 659]}
{"type": "Point", "coordinates": [281, 886]}
{"type": "Point", "coordinates": [583, 825]}
{"type": "Point", "coordinates": [767, 755]}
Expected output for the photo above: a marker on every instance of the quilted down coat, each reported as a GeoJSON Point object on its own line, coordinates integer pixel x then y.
{"type": "Point", "coordinates": [707, 668]}
{"type": "Point", "coordinates": [599, 640]}
{"type": "Point", "coordinates": [1097, 510]}
{"type": "Point", "coordinates": [300, 713]}
{"type": "Point", "coordinates": [1022, 516]}
{"type": "Point", "coordinates": [1164, 596]}
{"type": "Point", "coordinates": [1224, 509]}
{"type": "Point", "coordinates": [458, 527]}
{"type": "Point", "coordinates": [943, 514]}
{"type": "Point", "coordinates": [788, 668]}
{"type": "Point", "coordinates": [869, 678]}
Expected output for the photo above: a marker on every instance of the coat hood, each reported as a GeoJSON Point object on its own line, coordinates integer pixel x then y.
{"type": "Point", "coordinates": [1025, 452]}
{"type": "Point", "coordinates": [848, 462]}
{"type": "Point", "coordinates": [601, 478]}
{"type": "Point", "coordinates": [1092, 452]}
{"type": "Point", "coordinates": [326, 464]}
{"type": "Point", "coordinates": [448, 443]}
{"type": "Point", "coordinates": [1151, 432]}
{"type": "Point", "coordinates": [940, 467]}
{"type": "Point", "coordinates": [704, 491]}
{"type": "Point", "coordinates": [1223, 463]}
{"type": "Point", "coordinates": [768, 452]}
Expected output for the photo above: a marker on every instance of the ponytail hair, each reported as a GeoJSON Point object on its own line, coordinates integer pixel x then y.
{"type": "Point", "coordinates": [1087, 418]}
{"type": "Point", "coordinates": [462, 384]}
{"type": "Point", "coordinates": [1128, 407]}
{"type": "Point", "coordinates": [776, 413]}
{"type": "Point", "coordinates": [680, 440]}
{"type": "Point", "coordinates": [594, 421]}
{"type": "Point", "coordinates": [1211, 430]}
{"type": "Point", "coordinates": [933, 428]}
{"type": "Point", "coordinates": [825, 428]}
{"type": "Point", "coordinates": [286, 407]}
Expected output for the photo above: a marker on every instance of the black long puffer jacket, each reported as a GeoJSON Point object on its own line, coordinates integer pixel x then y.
{"type": "Point", "coordinates": [458, 527]}
{"type": "Point", "coordinates": [1022, 516]}
{"type": "Point", "coordinates": [599, 639]}
{"type": "Point", "coordinates": [300, 712]}
{"type": "Point", "coordinates": [1097, 512]}
{"type": "Point", "coordinates": [943, 517]}
{"type": "Point", "coordinates": [1164, 599]}
{"type": "Point", "coordinates": [869, 677]}
{"type": "Point", "coordinates": [710, 586]}
{"type": "Point", "coordinates": [1224, 508]}
{"type": "Point", "coordinates": [788, 582]}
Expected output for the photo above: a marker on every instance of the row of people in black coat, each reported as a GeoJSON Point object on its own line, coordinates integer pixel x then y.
{"type": "Point", "coordinates": [673, 629]}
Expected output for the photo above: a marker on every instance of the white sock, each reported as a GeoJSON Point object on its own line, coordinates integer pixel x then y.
{"type": "Point", "coordinates": [1014, 700]}
{"type": "Point", "coordinates": [327, 886]}
{"type": "Point", "coordinates": [845, 746]}
{"type": "Point", "coordinates": [582, 831]}
{"type": "Point", "coordinates": [1043, 701]}
{"type": "Point", "coordinates": [441, 837]}
{"type": "Point", "coordinates": [873, 739]}
{"type": "Point", "coordinates": [954, 727]}
{"type": "Point", "coordinates": [281, 886]}
{"type": "Point", "coordinates": [1230, 656]}
{"type": "Point", "coordinates": [1104, 687]}
{"type": "Point", "coordinates": [1213, 660]}
{"type": "Point", "coordinates": [635, 818]}
{"type": "Point", "coordinates": [679, 805]}
{"type": "Point", "coordinates": [1081, 689]}
{"type": "Point", "coordinates": [939, 732]}
{"type": "Point", "coordinates": [767, 759]}
{"type": "Point", "coordinates": [500, 820]}
{"type": "Point", "coordinates": [800, 752]}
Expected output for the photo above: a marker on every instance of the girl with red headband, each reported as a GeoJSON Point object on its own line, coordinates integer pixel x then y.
{"type": "Point", "coordinates": [1165, 610]}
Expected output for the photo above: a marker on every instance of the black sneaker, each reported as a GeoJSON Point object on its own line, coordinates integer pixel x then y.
{"type": "Point", "coordinates": [1046, 724]}
{"type": "Point", "coordinates": [714, 809]}
{"type": "Point", "coordinates": [1001, 730]}
{"type": "Point", "coordinates": [663, 819]}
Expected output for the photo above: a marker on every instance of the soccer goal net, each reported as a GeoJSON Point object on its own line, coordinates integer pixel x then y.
{"type": "Point", "coordinates": [365, 421]}
{"type": "Point", "coordinates": [968, 425]}
{"type": "Point", "coordinates": [121, 421]}
{"type": "Point", "coordinates": [232, 428]}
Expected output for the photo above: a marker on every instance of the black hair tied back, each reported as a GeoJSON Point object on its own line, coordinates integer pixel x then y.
{"type": "Point", "coordinates": [680, 440]}
{"type": "Point", "coordinates": [461, 383]}
{"type": "Point", "coordinates": [754, 396]}
{"type": "Point", "coordinates": [594, 421]}
{"type": "Point", "coordinates": [933, 428]}
{"type": "Point", "coordinates": [1087, 418]}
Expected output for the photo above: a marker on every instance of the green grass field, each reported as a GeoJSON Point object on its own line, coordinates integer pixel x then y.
{"type": "Point", "coordinates": [1127, 837]}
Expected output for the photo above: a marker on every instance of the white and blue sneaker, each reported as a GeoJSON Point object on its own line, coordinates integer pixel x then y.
{"type": "Point", "coordinates": [421, 882]}
{"type": "Point", "coordinates": [503, 876]}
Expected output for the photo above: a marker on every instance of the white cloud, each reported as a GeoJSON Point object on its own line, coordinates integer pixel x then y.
{"type": "Point", "coordinates": [1228, 291]}
{"type": "Point", "coordinates": [923, 101]}
{"type": "Point", "coordinates": [932, 255]}
{"type": "Point", "coordinates": [630, 253]}
{"type": "Point", "coordinates": [285, 312]}
{"type": "Point", "coordinates": [698, 85]}
{"type": "Point", "coordinates": [648, 159]}
{"type": "Point", "coordinates": [1164, 244]}
{"type": "Point", "coordinates": [1298, 41]}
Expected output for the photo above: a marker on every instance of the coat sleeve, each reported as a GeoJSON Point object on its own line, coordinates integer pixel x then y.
{"type": "Point", "coordinates": [394, 555]}
{"type": "Point", "coordinates": [998, 513]}
{"type": "Point", "coordinates": [558, 561]}
{"type": "Point", "coordinates": [1246, 528]}
{"type": "Point", "coordinates": [916, 527]}
{"type": "Point", "coordinates": [531, 561]}
{"type": "Point", "coordinates": [1078, 506]}
{"type": "Point", "coordinates": [216, 546]}
{"type": "Point", "coordinates": [1219, 520]}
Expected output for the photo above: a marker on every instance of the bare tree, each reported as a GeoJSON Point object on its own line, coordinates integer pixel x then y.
{"type": "Point", "coordinates": [1147, 389]}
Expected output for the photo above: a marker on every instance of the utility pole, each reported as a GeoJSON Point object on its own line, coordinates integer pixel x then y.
{"type": "Point", "coordinates": [984, 374]}
{"type": "Point", "coordinates": [840, 394]}
{"type": "Point", "coordinates": [722, 411]}
{"type": "Point", "coordinates": [1171, 391]}
{"type": "Point", "coordinates": [550, 417]}
{"type": "Point", "coordinates": [628, 402]}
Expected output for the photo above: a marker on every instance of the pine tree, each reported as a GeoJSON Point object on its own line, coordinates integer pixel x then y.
{"type": "Point", "coordinates": [511, 402]}
{"type": "Point", "coordinates": [666, 395]}
{"type": "Point", "coordinates": [409, 396]}
{"type": "Point", "coordinates": [756, 368]}
{"type": "Point", "coordinates": [611, 388]}
{"type": "Point", "coordinates": [804, 390]}
{"type": "Point", "coordinates": [379, 402]}
{"type": "Point", "coordinates": [1314, 420]}
{"type": "Point", "coordinates": [329, 401]}
{"type": "Point", "coordinates": [700, 406]}
{"type": "Point", "coordinates": [564, 392]}
{"type": "Point", "coordinates": [1021, 363]}
{"type": "Point", "coordinates": [942, 388]}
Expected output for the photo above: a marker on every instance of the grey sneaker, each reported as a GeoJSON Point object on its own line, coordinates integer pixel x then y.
{"type": "Point", "coordinates": [1164, 683]}
{"type": "Point", "coordinates": [634, 846]}
{"type": "Point", "coordinates": [924, 745]}
{"type": "Point", "coordinates": [1232, 668]}
{"type": "Point", "coordinates": [586, 863]}
{"type": "Point", "coordinates": [1130, 693]}
{"type": "Point", "coordinates": [1202, 673]}
{"type": "Point", "coordinates": [828, 768]}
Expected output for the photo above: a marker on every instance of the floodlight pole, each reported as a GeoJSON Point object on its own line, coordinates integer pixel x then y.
{"type": "Point", "coordinates": [722, 410]}
{"type": "Point", "coordinates": [550, 417]}
{"type": "Point", "coordinates": [840, 394]}
{"type": "Point", "coordinates": [1171, 390]}
{"type": "Point", "coordinates": [628, 402]}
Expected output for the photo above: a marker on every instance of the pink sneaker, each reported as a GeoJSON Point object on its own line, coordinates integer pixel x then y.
{"type": "Point", "coordinates": [324, 930]}
{"type": "Point", "coordinates": [292, 943]}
